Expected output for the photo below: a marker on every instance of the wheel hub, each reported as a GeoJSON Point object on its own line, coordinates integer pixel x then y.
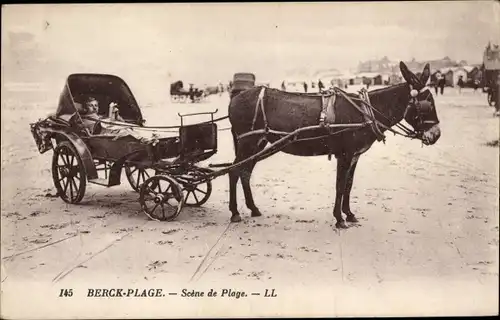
{"type": "Point", "coordinates": [158, 198]}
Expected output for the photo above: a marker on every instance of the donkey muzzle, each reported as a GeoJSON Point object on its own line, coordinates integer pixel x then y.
{"type": "Point", "coordinates": [431, 136]}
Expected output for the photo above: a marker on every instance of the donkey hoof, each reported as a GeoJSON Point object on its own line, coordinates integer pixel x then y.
{"type": "Point", "coordinates": [256, 213]}
{"type": "Point", "coordinates": [341, 225]}
{"type": "Point", "coordinates": [236, 218]}
{"type": "Point", "coordinates": [352, 219]}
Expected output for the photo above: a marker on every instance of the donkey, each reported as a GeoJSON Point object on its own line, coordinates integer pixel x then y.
{"type": "Point", "coordinates": [287, 112]}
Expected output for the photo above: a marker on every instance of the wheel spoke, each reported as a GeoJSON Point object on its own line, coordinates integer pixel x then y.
{"type": "Point", "coordinates": [187, 195]}
{"type": "Point", "coordinates": [67, 160]}
{"type": "Point", "coordinates": [152, 192]}
{"type": "Point", "coordinates": [204, 192]}
{"type": "Point", "coordinates": [61, 156]}
{"type": "Point", "coordinates": [137, 181]}
{"type": "Point", "coordinates": [194, 194]}
{"type": "Point", "coordinates": [76, 187]}
{"type": "Point", "coordinates": [154, 208]}
{"type": "Point", "coordinates": [132, 172]}
{"type": "Point", "coordinates": [66, 186]}
{"type": "Point", "coordinates": [70, 188]}
{"type": "Point", "coordinates": [162, 210]}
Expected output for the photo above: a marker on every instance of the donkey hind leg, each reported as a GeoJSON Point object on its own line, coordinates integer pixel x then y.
{"type": "Point", "coordinates": [233, 183]}
{"type": "Point", "coordinates": [343, 164]}
{"type": "Point", "coordinates": [346, 199]}
{"type": "Point", "coordinates": [233, 205]}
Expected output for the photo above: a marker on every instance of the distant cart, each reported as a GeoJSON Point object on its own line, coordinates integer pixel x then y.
{"type": "Point", "coordinates": [179, 94]}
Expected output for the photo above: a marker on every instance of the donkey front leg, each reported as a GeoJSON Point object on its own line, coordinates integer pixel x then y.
{"type": "Point", "coordinates": [343, 164]}
{"type": "Point", "coordinates": [246, 173]}
{"type": "Point", "coordinates": [346, 200]}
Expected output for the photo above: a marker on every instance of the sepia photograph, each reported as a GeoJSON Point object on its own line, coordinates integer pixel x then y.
{"type": "Point", "coordinates": [215, 160]}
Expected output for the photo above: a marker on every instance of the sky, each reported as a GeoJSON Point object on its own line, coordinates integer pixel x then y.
{"type": "Point", "coordinates": [210, 42]}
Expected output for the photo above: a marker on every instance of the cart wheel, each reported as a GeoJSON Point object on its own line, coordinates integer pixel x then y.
{"type": "Point", "coordinates": [182, 98]}
{"type": "Point", "coordinates": [161, 198]}
{"type": "Point", "coordinates": [68, 173]}
{"type": "Point", "coordinates": [137, 175]}
{"type": "Point", "coordinates": [174, 98]}
{"type": "Point", "coordinates": [197, 195]}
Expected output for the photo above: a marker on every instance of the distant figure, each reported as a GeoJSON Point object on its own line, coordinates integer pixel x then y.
{"type": "Point", "coordinates": [441, 83]}
{"type": "Point", "coordinates": [345, 86]}
{"type": "Point", "coordinates": [220, 88]}
{"type": "Point", "coordinates": [476, 84]}
{"type": "Point", "coordinates": [320, 85]}
{"type": "Point", "coordinates": [460, 84]}
{"type": "Point", "coordinates": [305, 87]}
{"type": "Point", "coordinates": [436, 83]}
{"type": "Point", "coordinates": [283, 87]}
{"type": "Point", "coordinates": [191, 92]}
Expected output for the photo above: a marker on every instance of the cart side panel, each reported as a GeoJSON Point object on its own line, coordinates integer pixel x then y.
{"type": "Point", "coordinates": [198, 138]}
{"type": "Point", "coordinates": [110, 148]}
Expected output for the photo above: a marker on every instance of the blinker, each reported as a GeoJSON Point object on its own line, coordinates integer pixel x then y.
{"type": "Point", "coordinates": [413, 93]}
{"type": "Point", "coordinates": [425, 106]}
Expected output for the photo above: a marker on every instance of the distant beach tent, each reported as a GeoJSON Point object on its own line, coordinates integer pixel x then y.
{"type": "Point", "coordinates": [371, 78]}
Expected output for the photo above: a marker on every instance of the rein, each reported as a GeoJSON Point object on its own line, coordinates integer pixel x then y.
{"type": "Point", "coordinates": [407, 132]}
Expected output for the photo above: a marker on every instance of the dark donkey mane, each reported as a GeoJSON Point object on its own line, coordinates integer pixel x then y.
{"type": "Point", "coordinates": [287, 112]}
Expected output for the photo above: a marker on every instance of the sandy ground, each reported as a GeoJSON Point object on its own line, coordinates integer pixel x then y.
{"type": "Point", "coordinates": [427, 243]}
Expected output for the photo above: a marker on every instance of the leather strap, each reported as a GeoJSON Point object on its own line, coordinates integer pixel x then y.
{"type": "Point", "coordinates": [260, 105]}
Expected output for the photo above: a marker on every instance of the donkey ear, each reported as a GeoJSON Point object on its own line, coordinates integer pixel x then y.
{"type": "Point", "coordinates": [409, 76]}
{"type": "Point", "coordinates": [424, 77]}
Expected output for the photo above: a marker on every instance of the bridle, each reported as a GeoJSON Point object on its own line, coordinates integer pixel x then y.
{"type": "Point", "coordinates": [423, 107]}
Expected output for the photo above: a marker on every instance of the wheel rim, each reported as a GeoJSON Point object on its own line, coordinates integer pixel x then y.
{"type": "Point", "coordinates": [137, 175]}
{"type": "Point", "coordinates": [161, 198]}
{"type": "Point", "coordinates": [197, 195]}
{"type": "Point", "coordinates": [68, 175]}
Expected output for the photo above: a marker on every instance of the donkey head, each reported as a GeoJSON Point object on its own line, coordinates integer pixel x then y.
{"type": "Point", "coordinates": [421, 110]}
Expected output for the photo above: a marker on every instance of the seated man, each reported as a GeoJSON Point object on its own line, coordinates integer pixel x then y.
{"type": "Point", "coordinates": [110, 126]}
{"type": "Point", "coordinates": [89, 114]}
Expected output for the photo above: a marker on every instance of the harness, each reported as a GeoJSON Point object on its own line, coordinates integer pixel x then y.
{"type": "Point", "coordinates": [327, 115]}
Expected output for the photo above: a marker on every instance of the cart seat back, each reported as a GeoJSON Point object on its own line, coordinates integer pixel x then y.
{"type": "Point", "coordinates": [198, 138]}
